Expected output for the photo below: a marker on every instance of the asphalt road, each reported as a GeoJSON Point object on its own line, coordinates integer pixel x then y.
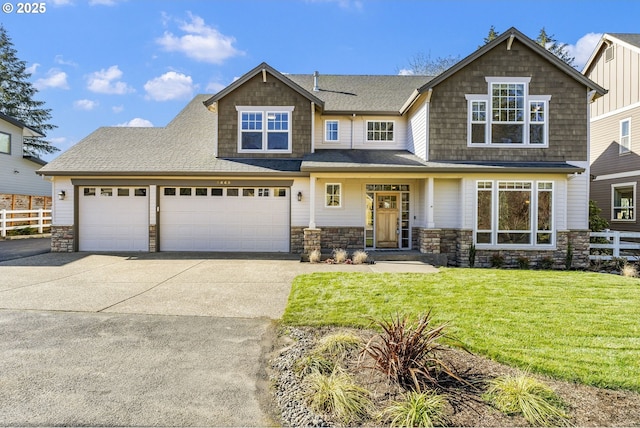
{"type": "Point", "coordinates": [18, 248]}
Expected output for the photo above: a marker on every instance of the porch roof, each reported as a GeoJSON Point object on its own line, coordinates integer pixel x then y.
{"type": "Point", "coordinates": [405, 161]}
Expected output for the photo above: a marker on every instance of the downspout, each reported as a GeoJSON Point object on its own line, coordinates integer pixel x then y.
{"type": "Point", "coordinates": [313, 127]}
{"type": "Point", "coordinates": [353, 117]}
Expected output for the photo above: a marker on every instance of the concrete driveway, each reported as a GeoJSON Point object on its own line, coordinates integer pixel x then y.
{"type": "Point", "coordinates": [143, 339]}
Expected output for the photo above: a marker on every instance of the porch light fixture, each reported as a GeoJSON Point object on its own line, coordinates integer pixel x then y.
{"type": "Point", "coordinates": [62, 195]}
{"type": "Point", "coordinates": [299, 196]}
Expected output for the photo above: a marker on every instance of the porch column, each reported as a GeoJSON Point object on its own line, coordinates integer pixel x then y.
{"type": "Point", "coordinates": [312, 202]}
{"type": "Point", "coordinates": [431, 224]}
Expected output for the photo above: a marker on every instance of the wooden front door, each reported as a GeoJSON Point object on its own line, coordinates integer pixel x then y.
{"type": "Point", "coordinates": [387, 220]}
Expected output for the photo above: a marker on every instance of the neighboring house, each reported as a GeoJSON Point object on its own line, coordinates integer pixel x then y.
{"type": "Point", "coordinates": [492, 153]}
{"type": "Point", "coordinates": [18, 176]}
{"type": "Point", "coordinates": [615, 129]}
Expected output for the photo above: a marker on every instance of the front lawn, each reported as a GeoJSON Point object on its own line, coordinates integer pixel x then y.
{"type": "Point", "coordinates": [575, 326]}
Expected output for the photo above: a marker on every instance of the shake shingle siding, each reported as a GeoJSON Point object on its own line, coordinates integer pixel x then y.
{"type": "Point", "coordinates": [567, 108]}
{"type": "Point", "coordinates": [255, 92]}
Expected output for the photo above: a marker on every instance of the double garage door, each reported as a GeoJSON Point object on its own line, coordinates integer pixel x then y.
{"type": "Point", "coordinates": [190, 219]}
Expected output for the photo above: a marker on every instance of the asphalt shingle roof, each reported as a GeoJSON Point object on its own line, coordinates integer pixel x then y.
{"type": "Point", "coordinates": [361, 93]}
{"type": "Point", "coordinates": [631, 38]}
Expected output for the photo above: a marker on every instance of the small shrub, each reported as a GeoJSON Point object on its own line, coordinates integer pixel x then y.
{"type": "Point", "coordinates": [313, 363]}
{"type": "Point", "coordinates": [359, 257]}
{"type": "Point", "coordinates": [629, 270]}
{"type": "Point", "coordinates": [337, 395]}
{"type": "Point", "coordinates": [523, 263]}
{"type": "Point", "coordinates": [546, 263]}
{"type": "Point", "coordinates": [425, 409]}
{"type": "Point", "coordinates": [338, 345]}
{"type": "Point", "coordinates": [340, 255]}
{"type": "Point", "coordinates": [529, 397]}
{"type": "Point", "coordinates": [408, 354]}
{"type": "Point", "coordinates": [472, 256]}
{"type": "Point", "coordinates": [315, 256]}
{"type": "Point", "coordinates": [497, 260]}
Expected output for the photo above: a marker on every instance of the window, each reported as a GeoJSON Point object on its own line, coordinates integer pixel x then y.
{"type": "Point", "coordinates": [331, 130]}
{"type": "Point", "coordinates": [379, 130]}
{"type": "Point", "coordinates": [123, 192]}
{"type": "Point", "coordinates": [507, 114]}
{"type": "Point", "coordinates": [216, 191]}
{"type": "Point", "coordinates": [140, 192]}
{"type": "Point", "coordinates": [201, 191]}
{"type": "Point", "coordinates": [514, 213]}
{"type": "Point", "coordinates": [185, 191]}
{"type": "Point", "coordinates": [333, 195]}
{"type": "Point", "coordinates": [5, 143]}
{"type": "Point", "coordinates": [169, 191]}
{"type": "Point", "coordinates": [232, 192]}
{"type": "Point", "coordinates": [280, 193]}
{"type": "Point", "coordinates": [625, 136]}
{"type": "Point", "coordinates": [623, 201]}
{"type": "Point", "coordinates": [106, 191]}
{"type": "Point", "coordinates": [263, 192]}
{"type": "Point", "coordinates": [248, 192]}
{"type": "Point", "coordinates": [89, 191]}
{"type": "Point", "coordinates": [264, 129]}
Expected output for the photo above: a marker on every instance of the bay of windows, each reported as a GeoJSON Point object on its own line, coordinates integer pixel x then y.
{"type": "Point", "coordinates": [508, 115]}
{"type": "Point", "coordinates": [264, 129]}
{"type": "Point", "coordinates": [514, 213]}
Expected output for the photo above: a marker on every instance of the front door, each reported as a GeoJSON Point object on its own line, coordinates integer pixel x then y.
{"type": "Point", "coordinates": [387, 220]}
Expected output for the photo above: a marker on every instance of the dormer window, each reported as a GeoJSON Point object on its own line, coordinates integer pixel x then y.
{"type": "Point", "coordinates": [264, 129]}
{"type": "Point", "coordinates": [507, 115]}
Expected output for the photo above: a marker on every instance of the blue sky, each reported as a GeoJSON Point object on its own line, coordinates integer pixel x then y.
{"type": "Point", "coordinates": [138, 62]}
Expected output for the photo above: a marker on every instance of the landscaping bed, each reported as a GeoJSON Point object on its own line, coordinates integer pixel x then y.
{"type": "Point", "coordinates": [585, 405]}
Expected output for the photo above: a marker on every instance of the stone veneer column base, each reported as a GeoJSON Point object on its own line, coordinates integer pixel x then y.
{"type": "Point", "coordinates": [312, 239]}
{"type": "Point", "coordinates": [62, 239]}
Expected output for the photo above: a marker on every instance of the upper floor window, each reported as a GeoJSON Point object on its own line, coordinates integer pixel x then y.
{"type": "Point", "coordinates": [5, 143]}
{"type": "Point", "coordinates": [264, 129]}
{"type": "Point", "coordinates": [331, 128]}
{"type": "Point", "coordinates": [507, 114]}
{"type": "Point", "coordinates": [625, 136]}
{"type": "Point", "coordinates": [378, 130]}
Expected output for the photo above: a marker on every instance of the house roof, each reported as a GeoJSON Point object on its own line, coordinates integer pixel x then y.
{"type": "Point", "coordinates": [27, 131]}
{"type": "Point", "coordinates": [507, 37]}
{"type": "Point", "coordinates": [403, 161]}
{"type": "Point", "coordinates": [348, 94]}
{"type": "Point", "coordinates": [184, 146]}
{"type": "Point", "coordinates": [630, 40]}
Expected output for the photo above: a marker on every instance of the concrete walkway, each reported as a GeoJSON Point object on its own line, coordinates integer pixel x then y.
{"type": "Point", "coordinates": [144, 339]}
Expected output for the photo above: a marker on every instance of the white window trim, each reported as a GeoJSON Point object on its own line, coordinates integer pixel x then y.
{"type": "Point", "coordinates": [366, 131]}
{"type": "Point", "coordinates": [528, 99]}
{"type": "Point", "coordinates": [265, 131]}
{"type": "Point", "coordinates": [621, 149]}
{"type": "Point", "coordinates": [613, 189]}
{"type": "Point", "coordinates": [533, 225]}
{"type": "Point", "coordinates": [326, 136]}
{"type": "Point", "coordinates": [9, 136]}
{"type": "Point", "coordinates": [339, 195]}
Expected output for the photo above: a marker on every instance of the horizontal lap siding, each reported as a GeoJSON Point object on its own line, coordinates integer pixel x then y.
{"type": "Point", "coordinates": [601, 194]}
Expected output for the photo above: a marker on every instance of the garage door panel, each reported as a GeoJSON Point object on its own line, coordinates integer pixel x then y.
{"type": "Point", "coordinates": [224, 222]}
{"type": "Point", "coordinates": [113, 219]}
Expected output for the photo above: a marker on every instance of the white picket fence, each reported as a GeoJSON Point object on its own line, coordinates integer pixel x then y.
{"type": "Point", "coordinates": [23, 219]}
{"type": "Point", "coordinates": [618, 246]}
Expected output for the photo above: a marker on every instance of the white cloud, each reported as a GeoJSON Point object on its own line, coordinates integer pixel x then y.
{"type": "Point", "coordinates": [32, 68]}
{"type": "Point", "coordinates": [137, 123]}
{"type": "Point", "coordinates": [170, 86]}
{"type": "Point", "coordinates": [108, 82]}
{"type": "Point", "coordinates": [60, 2]}
{"type": "Point", "coordinates": [344, 4]}
{"type": "Point", "coordinates": [60, 60]}
{"type": "Point", "coordinates": [117, 109]}
{"type": "Point", "coordinates": [215, 87]}
{"type": "Point", "coordinates": [54, 79]}
{"type": "Point", "coordinates": [201, 42]}
{"type": "Point", "coordinates": [583, 48]}
{"type": "Point", "coordinates": [85, 104]}
{"type": "Point", "coordinates": [405, 72]}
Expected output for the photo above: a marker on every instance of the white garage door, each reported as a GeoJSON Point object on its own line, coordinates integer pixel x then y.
{"type": "Point", "coordinates": [113, 218]}
{"type": "Point", "coordinates": [224, 219]}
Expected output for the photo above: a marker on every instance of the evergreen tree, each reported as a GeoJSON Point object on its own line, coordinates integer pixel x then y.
{"type": "Point", "coordinates": [17, 98]}
{"type": "Point", "coordinates": [546, 41]}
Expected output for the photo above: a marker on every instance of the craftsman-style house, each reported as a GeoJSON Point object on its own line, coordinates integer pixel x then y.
{"type": "Point", "coordinates": [492, 155]}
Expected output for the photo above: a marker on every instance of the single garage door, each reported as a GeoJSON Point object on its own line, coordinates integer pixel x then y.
{"type": "Point", "coordinates": [113, 218]}
{"type": "Point", "coordinates": [224, 219]}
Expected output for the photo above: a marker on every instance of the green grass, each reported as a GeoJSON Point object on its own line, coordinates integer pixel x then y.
{"type": "Point", "coordinates": [576, 326]}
